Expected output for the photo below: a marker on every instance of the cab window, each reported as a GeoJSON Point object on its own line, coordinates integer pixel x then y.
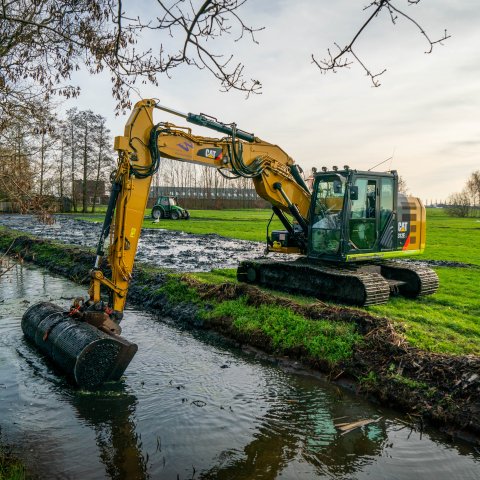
{"type": "Point", "coordinates": [363, 213]}
{"type": "Point", "coordinates": [328, 206]}
{"type": "Point", "coordinates": [386, 202]}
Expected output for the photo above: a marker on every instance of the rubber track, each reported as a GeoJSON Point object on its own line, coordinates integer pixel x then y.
{"type": "Point", "coordinates": [426, 278]}
{"type": "Point", "coordinates": [345, 285]}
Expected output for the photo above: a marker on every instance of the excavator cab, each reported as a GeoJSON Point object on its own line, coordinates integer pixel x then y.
{"type": "Point", "coordinates": [353, 215]}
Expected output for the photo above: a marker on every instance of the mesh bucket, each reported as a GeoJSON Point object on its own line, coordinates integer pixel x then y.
{"type": "Point", "coordinates": [88, 355]}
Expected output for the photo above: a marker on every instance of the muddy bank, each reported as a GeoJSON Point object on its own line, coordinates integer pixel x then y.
{"type": "Point", "coordinates": [10, 466]}
{"type": "Point", "coordinates": [439, 388]}
{"type": "Point", "coordinates": [178, 251]}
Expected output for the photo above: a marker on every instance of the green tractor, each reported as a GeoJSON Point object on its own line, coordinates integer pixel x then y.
{"type": "Point", "coordinates": [167, 207]}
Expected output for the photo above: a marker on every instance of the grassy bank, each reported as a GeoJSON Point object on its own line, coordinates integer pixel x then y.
{"type": "Point", "coordinates": [10, 467]}
{"type": "Point", "coordinates": [345, 343]}
{"type": "Point", "coordinates": [446, 322]}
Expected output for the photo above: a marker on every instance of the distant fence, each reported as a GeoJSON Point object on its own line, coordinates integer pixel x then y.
{"type": "Point", "coordinates": [36, 203]}
{"type": "Point", "coordinates": [210, 198]}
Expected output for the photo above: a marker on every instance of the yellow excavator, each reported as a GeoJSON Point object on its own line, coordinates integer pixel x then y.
{"type": "Point", "coordinates": [343, 231]}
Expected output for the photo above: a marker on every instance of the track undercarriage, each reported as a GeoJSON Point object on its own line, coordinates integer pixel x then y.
{"type": "Point", "coordinates": [355, 284]}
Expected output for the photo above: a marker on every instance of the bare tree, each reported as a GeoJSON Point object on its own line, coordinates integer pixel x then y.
{"type": "Point", "coordinates": [345, 56]}
{"type": "Point", "coordinates": [24, 164]}
{"type": "Point", "coordinates": [473, 187]}
{"type": "Point", "coordinates": [459, 204]}
{"type": "Point", "coordinates": [44, 129]}
{"type": "Point", "coordinates": [42, 42]}
{"type": "Point", "coordinates": [62, 135]}
{"type": "Point", "coordinates": [104, 157]}
{"type": "Point", "coordinates": [402, 185]}
{"type": "Point", "coordinates": [71, 142]}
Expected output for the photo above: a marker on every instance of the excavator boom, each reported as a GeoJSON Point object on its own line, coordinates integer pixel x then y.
{"type": "Point", "coordinates": [354, 218]}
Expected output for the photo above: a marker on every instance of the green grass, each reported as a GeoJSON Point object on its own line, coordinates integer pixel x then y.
{"type": "Point", "coordinates": [242, 224]}
{"type": "Point", "coordinates": [453, 239]}
{"type": "Point", "coordinates": [322, 339]}
{"type": "Point", "coordinates": [10, 467]}
{"type": "Point", "coordinates": [217, 275]}
{"type": "Point", "coordinates": [446, 322]}
{"type": "Point", "coordinates": [177, 291]}
{"type": "Point", "coordinates": [409, 382]}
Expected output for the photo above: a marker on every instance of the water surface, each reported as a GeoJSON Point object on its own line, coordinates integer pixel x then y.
{"type": "Point", "coordinates": [192, 406]}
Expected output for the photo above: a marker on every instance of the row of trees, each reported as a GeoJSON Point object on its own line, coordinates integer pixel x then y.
{"type": "Point", "coordinates": [172, 173]}
{"type": "Point", "coordinates": [44, 157]}
{"type": "Point", "coordinates": [48, 160]}
{"type": "Point", "coordinates": [467, 202]}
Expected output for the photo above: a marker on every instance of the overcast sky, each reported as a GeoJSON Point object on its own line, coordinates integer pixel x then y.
{"type": "Point", "coordinates": [425, 114]}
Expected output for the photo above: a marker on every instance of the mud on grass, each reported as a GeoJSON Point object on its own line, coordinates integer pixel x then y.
{"type": "Point", "coordinates": [345, 343]}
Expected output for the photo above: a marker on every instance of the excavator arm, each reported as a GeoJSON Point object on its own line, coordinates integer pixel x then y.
{"type": "Point", "coordinates": [274, 174]}
{"type": "Point", "coordinates": [266, 164]}
{"type": "Point", "coordinates": [85, 342]}
{"type": "Point", "coordinates": [94, 355]}
{"type": "Point", "coordinates": [126, 209]}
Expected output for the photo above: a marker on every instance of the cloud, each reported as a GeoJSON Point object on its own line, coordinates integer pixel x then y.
{"type": "Point", "coordinates": [426, 110]}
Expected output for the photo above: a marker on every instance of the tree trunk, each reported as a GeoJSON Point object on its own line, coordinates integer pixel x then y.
{"type": "Point", "coordinates": [85, 169]}
{"type": "Point", "coordinates": [42, 160]}
{"type": "Point", "coordinates": [74, 193]}
{"type": "Point", "coordinates": [60, 185]}
{"type": "Point", "coordinates": [100, 144]}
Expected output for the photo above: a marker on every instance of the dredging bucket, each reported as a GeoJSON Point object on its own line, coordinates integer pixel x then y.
{"type": "Point", "coordinates": [89, 356]}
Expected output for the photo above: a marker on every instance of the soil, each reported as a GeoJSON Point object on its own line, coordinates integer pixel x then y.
{"type": "Point", "coordinates": [177, 251]}
{"type": "Point", "coordinates": [443, 389]}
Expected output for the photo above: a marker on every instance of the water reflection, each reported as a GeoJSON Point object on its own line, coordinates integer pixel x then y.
{"type": "Point", "coordinates": [110, 412]}
{"type": "Point", "coordinates": [301, 431]}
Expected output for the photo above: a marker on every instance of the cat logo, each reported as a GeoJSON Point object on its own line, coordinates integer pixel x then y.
{"type": "Point", "coordinates": [213, 153]}
{"type": "Point", "coordinates": [402, 226]}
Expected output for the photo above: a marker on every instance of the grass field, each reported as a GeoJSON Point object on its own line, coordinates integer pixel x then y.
{"type": "Point", "coordinates": [453, 239]}
{"type": "Point", "coordinates": [243, 224]}
{"type": "Point", "coordinates": [446, 322]}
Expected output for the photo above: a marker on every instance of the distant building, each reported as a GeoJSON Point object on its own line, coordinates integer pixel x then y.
{"type": "Point", "coordinates": [199, 197]}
